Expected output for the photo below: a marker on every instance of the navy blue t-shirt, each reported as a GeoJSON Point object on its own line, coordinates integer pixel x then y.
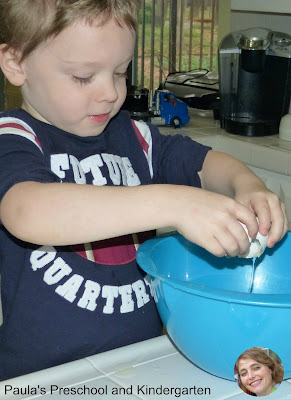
{"type": "Point", "coordinates": [65, 303]}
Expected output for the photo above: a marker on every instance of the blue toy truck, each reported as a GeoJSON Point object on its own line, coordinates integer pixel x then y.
{"type": "Point", "coordinates": [167, 109]}
{"type": "Point", "coordinates": [164, 108]}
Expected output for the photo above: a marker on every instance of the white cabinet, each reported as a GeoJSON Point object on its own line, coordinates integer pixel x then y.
{"type": "Point", "coordinates": [278, 6]}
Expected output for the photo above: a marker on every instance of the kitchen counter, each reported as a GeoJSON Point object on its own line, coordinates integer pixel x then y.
{"type": "Point", "coordinates": [150, 370]}
{"type": "Point", "coordinates": [202, 127]}
{"type": "Point", "coordinates": [269, 157]}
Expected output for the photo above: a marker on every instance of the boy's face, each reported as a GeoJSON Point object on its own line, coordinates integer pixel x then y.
{"type": "Point", "coordinates": [77, 81]}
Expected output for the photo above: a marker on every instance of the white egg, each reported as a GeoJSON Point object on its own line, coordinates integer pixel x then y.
{"type": "Point", "coordinates": [257, 245]}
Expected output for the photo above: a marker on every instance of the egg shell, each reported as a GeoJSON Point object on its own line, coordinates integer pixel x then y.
{"type": "Point", "coordinates": [255, 250]}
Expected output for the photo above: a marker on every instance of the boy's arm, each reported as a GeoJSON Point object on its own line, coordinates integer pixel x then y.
{"type": "Point", "coordinates": [65, 213]}
{"type": "Point", "coordinates": [226, 175]}
{"type": "Point", "coordinates": [68, 213]}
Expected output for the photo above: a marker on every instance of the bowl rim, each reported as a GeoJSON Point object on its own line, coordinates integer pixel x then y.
{"type": "Point", "coordinates": [147, 263]}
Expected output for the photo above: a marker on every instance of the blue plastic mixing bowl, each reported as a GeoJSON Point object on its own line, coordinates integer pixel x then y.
{"type": "Point", "coordinates": [205, 305]}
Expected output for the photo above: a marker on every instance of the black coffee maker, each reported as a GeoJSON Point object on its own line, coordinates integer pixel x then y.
{"type": "Point", "coordinates": [255, 81]}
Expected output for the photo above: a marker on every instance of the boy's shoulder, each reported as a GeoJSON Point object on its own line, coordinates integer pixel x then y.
{"type": "Point", "coordinates": [17, 113]}
{"type": "Point", "coordinates": [17, 119]}
{"type": "Point", "coordinates": [14, 122]}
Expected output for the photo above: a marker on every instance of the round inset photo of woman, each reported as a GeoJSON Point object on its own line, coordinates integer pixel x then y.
{"type": "Point", "coordinates": [258, 371]}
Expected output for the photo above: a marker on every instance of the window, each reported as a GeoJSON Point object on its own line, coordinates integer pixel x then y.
{"type": "Point", "coordinates": [174, 35]}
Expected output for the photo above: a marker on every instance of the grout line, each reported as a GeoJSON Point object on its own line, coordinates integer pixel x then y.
{"type": "Point", "coordinates": [134, 365]}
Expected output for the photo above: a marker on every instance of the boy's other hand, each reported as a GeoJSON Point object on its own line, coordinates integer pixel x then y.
{"type": "Point", "coordinates": [211, 220]}
{"type": "Point", "coordinates": [270, 211]}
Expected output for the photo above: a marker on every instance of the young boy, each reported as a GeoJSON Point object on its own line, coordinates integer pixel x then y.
{"type": "Point", "coordinates": [79, 180]}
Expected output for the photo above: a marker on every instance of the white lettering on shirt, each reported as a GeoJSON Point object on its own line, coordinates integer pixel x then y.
{"type": "Point", "coordinates": [95, 168]}
{"type": "Point", "coordinates": [70, 288]}
{"type": "Point", "coordinates": [126, 298]}
{"type": "Point", "coordinates": [41, 257]}
{"type": "Point", "coordinates": [140, 292]}
{"type": "Point", "coordinates": [86, 293]}
{"type": "Point", "coordinates": [59, 164]}
{"type": "Point", "coordinates": [109, 293]}
{"type": "Point", "coordinates": [57, 272]}
{"type": "Point", "coordinates": [90, 295]}
{"type": "Point", "coordinates": [92, 164]}
{"type": "Point", "coordinates": [79, 175]}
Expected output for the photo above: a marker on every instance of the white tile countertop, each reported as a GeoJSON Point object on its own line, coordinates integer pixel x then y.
{"type": "Point", "coordinates": [150, 370]}
{"type": "Point", "coordinates": [202, 127]}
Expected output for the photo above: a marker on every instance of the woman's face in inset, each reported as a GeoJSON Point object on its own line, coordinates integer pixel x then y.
{"type": "Point", "coordinates": [255, 376]}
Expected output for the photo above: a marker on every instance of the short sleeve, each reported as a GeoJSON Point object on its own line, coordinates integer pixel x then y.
{"type": "Point", "coordinates": [177, 159]}
{"type": "Point", "coordinates": [21, 160]}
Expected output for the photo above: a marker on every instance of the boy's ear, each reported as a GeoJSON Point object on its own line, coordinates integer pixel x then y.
{"type": "Point", "coordinates": [11, 65]}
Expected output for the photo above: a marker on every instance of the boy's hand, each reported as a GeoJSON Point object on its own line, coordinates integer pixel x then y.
{"type": "Point", "coordinates": [224, 174]}
{"type": "Point", "coordinates": [211, 220]}
{"type": "Point", "coordinates": [269, 209]}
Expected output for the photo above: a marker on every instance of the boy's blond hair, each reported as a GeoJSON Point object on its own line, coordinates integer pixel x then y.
{"type": "Point", "coordinates": [26, 24]}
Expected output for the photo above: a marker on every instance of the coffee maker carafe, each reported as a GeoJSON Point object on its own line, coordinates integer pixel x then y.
{"type": "Point", "coordinates": [255, 81]}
